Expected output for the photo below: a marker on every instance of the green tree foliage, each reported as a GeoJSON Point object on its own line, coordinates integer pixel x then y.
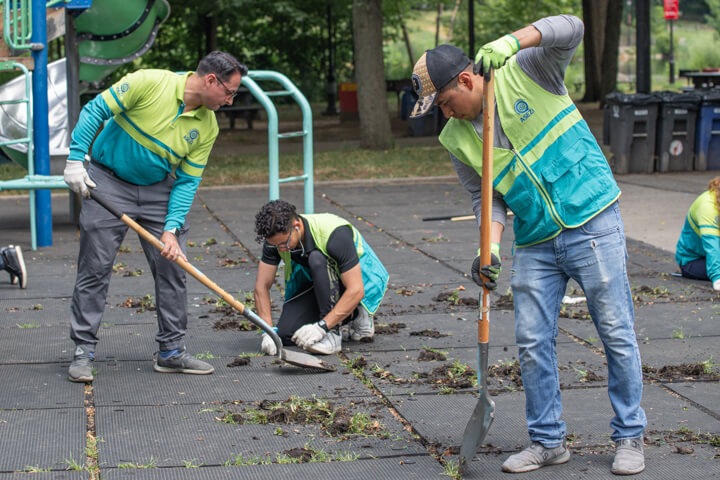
{"type": "Point", "coordinates": [494, 18]}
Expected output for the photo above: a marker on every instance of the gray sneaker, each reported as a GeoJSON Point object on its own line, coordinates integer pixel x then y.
{"type": "Point", "coordinates": [15, 265]}
{"type": "Point", "coordinates": [81, 367]}
{"type": "Point", "coordinates": [536, 456]}
{"type": "Point", "coordinates": [362, 328]}
{"type": "Point", "coordinates": [182, 362]}
{"type": "Point", "coordinates": [629, 457]}
{"type": "Point", "coordinates": [331, 343]}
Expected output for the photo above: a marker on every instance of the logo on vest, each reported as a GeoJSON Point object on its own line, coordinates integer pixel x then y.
{"type": "Point", "coordinates": [124, 87]}
{"type": "Point", "coordinates": [523, 109]}
{"type": "Point", "coordinates": [191, 136]}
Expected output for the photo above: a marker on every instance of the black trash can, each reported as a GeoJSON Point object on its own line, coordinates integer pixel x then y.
{"type": "Point", "coordinates": [630, 120]}
{"type": "Point", "coordinates": [707, 132]}
{"type": "Point", "coordinates": [675, 137]}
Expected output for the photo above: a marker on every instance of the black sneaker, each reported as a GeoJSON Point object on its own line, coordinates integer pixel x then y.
{"type": "Point", "coordinates": [81, 367]}
{"type": "Point", "coordinates": [15, 265]}
{"type": "Point", "coordinates": [182, 362]}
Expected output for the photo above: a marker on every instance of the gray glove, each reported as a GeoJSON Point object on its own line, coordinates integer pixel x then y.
{"type": "Point", "coordinates": [77, 178]}
{"type": "Point", "coordinates": [268, 346]}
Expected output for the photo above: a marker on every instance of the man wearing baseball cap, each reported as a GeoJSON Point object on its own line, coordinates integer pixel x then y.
{"type": "Point", "coordinates": [549, 170]}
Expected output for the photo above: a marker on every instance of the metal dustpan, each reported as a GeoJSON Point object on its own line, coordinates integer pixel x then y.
{"type": "Point", "coordinates": [298, 359]}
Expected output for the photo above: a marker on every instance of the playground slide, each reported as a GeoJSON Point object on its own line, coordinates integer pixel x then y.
{"type": "Point", "coordinates": [110, 33]}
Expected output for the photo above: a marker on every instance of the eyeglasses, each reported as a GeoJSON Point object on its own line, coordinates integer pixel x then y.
{"type": "Point", "coordinates": [228, 92]}
{"type": "Point", "coordinates": [286, 245]}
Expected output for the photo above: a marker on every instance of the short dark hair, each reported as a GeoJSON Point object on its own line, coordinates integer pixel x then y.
{"type": "Point", "coordinates": [273, 218]}
{"type": "Point", "coordinates": [221, 64]}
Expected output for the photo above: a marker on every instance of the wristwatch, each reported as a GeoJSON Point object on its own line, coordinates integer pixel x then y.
{"type": "Point", "coordinates": [174, 231]}
{"type": "Point", "coordinates": [323, 325]}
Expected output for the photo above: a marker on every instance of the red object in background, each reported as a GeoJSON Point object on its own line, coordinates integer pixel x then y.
{"type": "Point", "coordinates": [348, 97]}
{"type": "Point", "coordinates": [671, 9]}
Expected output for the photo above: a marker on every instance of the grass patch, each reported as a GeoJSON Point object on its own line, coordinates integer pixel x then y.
{"type": "Point", "coordinates": [349, 164]}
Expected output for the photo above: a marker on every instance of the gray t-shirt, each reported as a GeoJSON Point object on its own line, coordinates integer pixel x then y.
{"type": "Point", "coordinates": [545, 65]}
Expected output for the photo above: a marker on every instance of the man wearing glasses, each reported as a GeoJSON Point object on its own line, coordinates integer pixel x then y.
{"type": "Point", "coordinates": [158, 123]}
{"type": "Point", "coordinates": [332, 278]}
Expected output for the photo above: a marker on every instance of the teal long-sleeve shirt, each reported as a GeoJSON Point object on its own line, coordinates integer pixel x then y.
{"type": "Point", "coordinates": [147, 135]}
{"type": "Point", "coordinates": [700, 236]}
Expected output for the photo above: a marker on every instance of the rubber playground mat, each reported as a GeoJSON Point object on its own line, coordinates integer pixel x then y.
{"type": "Point", "coordinates": [152, 426]}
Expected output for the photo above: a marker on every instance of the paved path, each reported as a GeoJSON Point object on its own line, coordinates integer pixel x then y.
{"type": "Point", "coordinates": [408, 425]}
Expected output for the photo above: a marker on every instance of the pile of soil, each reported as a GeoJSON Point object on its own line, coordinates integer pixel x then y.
{"type": "Point", "coordinates": [239, 362]}
{"type": "Point", "coordinates": [509, 372]}
{"type": "Point", "coordinates": [446, 376]}
{"type": "Point", "coordinates": [391, 329]}
{"type": "Point", "coordinates": [430, 356]}
{"type": "Point", "coordinates": [231, 323]}
{"type": "Point", "coordinates": [685, 371]}
{"type": "Point", "coordinates": [505, 302]}
{"type": "Point", "coordinates": [304, 454]}
{"type": "Point", "coordinates": [428, 333]}
{"type": "Point", "coordinates": [448, 297]}
{"type": "Point", "coordinates": [143, 304]}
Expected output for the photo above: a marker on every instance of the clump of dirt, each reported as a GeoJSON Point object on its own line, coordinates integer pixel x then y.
{"type": "Point", "coordinates": [661, 438]}
{"type": "Point", "coordinates": [230, 323]}
{"type": "Point", "coordinates": [428, 333]}
{"type": "Point", "coordinates": [453, 298]}
{"type": "Point", "coordinates": [682, 372]}
{"type": "Point", "coordinates": [591, 376]}
{"type": "Point", "coordinates": [505, 371]}
{"type": "Point", "coordinates": [407, 291]}
{"type": "Point", "coordinates": [578, 315]}
{"type": "Point", "coordinates": [454, 375]}
{"type": "Point", "coordinates": [239, 362]}
{"type": "Point", "coordinates": [143, 304]}
{"type": "Point", "coordinates": [505, 302]}
{"type": "Point", "coordinates": [649, 292]}
{"type": "Point", "coordinates": [304, 454]}
{"type": "Point", "coordinates": [340, 423]}
{"type": "Point", "coordinates": [430, 356]}
{"type": "Point", "coordinates": [390, 329]}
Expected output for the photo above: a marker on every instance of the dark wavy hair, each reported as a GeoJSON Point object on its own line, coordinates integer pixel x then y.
{"type": "Point", "coordinates": [273, 218]}
{"type": "Point", "coordinates": [221, 64]}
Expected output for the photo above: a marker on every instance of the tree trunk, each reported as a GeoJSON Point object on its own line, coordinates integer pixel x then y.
{"type": "Point", "coordinates": [437, 25]}
{"type": "Point", "coordinates": [408, 46]}
{"type": "Point", "coordinates": [452, 20]}
{"type": "Point", "coordinates": [611, 48]}
{"type": "Point", "coordinates": [594, 15]}
{"type": "Point", "coordinates": [375, 132]}
{"type": "Point", "coordinates": [210, 24]}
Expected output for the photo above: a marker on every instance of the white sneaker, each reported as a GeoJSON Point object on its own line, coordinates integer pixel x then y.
{"type": "Point", "coordinates": [362, 329]}
{"type": "Point", "coordinates": [331, 343]}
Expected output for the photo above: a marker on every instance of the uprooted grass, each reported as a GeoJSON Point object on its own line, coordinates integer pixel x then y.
{"type": "Point", "coordinates": [336, 421]}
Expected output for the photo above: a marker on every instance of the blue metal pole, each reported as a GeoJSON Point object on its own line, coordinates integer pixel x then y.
{"type": "Point", "coordinates": [43, 205]}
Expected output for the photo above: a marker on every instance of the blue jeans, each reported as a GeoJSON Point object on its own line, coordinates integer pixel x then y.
{"type": "Point", "coordinates": [594, 255]}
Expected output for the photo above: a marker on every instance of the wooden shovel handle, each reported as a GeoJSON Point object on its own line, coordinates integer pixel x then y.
{"type": "Point", "coordinates": [487, 191]}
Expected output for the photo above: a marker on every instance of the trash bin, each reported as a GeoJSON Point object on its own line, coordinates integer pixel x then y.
{"type": "Point", "coordinates": [347, 94]}
{"type": "Point", "coordinates": [630, 120]}
{"type": "Point", "coordinates": [707, 132]}
{"type": "Point", "coordinates": [675, 136]}
{"type": "Point", "coordinates": [407, 102]}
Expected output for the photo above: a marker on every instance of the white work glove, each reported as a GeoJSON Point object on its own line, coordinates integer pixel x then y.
{"type": "Point", "coordinates": [308, 335]}
{"type": "Point", "coordinates": [77, 177]}
{"type": "Point", "coordinates": [716, 284]}
{"type": "Point", "coordinates": [268, 346]}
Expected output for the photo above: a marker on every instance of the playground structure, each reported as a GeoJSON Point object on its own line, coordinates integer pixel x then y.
{"type": "Point", "coordinates": [39, 108]}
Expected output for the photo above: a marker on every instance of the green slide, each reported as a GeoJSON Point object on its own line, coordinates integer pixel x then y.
{"type": "Point", "coordinates": [110, 33]}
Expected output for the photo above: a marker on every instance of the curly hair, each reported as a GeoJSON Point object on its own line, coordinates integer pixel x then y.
{"type": "Point", "coordinates": [714, 186]}
{"type": "Point", "coordinates": [273, 218]}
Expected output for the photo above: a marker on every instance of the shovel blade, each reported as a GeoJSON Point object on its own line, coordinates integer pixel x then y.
{"type": "Point", "coordinates": [482, 417]}
{"type": "Point", "coordinates": [300, 359]}
{"type": "Point", "coordinates": [475, 431]}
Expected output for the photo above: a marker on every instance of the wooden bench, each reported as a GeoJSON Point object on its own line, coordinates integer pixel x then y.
{"type": "Point", "coordinates": [248, 112]}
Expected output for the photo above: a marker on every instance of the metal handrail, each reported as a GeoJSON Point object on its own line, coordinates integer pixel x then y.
{"type": "Point", "coordinates": [263, 98]}
{"type": "Point", "coordinates": [17, 23]}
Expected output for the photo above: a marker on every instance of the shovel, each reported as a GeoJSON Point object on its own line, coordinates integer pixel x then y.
{"type": "Point", "coordinates": [298, 359]}
{"type": "Point", "coordinates": [484, 412]}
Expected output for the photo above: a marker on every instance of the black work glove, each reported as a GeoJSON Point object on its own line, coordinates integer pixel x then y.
{"type": "Point", "coordinates": [491, 272]}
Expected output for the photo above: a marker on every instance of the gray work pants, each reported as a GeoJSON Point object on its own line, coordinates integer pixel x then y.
{"type": "Point", "coordinates": [101, 235]}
